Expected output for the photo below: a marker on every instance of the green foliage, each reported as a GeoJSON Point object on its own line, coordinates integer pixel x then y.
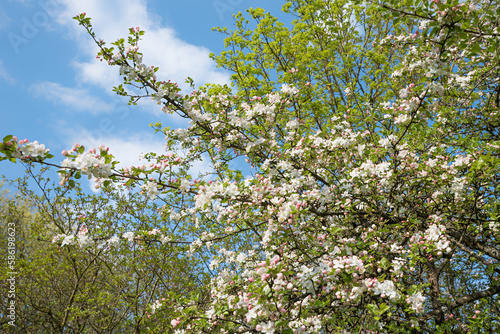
{"type": "Point", "coordinates": [92, 288]}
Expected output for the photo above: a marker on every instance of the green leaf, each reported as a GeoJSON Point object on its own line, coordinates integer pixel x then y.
{"type": "Point", "coordinates": [372, 308]}
{"type": "Point", "coordinates": [384, 307]}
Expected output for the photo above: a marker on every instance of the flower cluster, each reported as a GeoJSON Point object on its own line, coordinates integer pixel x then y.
{"type": "Point", "coordinates": [30, 150]}
{"type": "Point", "coordinates": [90, 163]}
{"type": "Point", "coordinates": [81, 238]}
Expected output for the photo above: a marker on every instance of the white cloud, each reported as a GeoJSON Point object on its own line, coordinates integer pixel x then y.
{"type": "Point", "coordinates": [76, 99]}
{"type": "Point", "coordinates": [161, 46]}
{"type": "Point", "coordinates": [128, 151]}
{"type": "Point", "coordinates": [202, 167]}
{"type": "Point", "coordinates": [97, 73]}
{"type": "Point", "coordinates": [4, 75]}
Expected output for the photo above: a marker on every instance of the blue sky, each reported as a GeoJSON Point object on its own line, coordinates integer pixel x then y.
{"type": "Point", "coordinates": [56, 92]}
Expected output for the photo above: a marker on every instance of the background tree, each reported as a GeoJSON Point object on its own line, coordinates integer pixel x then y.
{"type": "Point", "coordinates": [92, 284]}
